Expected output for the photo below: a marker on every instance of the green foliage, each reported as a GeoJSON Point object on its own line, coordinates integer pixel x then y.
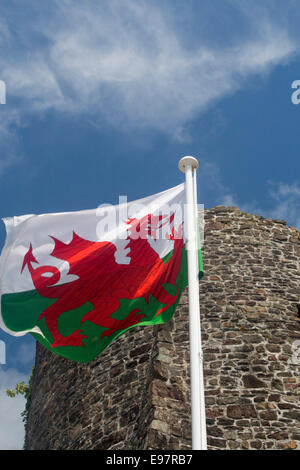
{"type": "Point", "coordinates": [23, 389]}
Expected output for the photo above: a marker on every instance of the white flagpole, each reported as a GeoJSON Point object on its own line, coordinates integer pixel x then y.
{"type": "Point", "coordinates": [202, 395]}
{"type": "Point", "coordinates": [188, 165]}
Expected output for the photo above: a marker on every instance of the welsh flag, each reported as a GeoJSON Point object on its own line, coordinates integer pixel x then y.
{"type": "Point", "coordinates": [78, 280]}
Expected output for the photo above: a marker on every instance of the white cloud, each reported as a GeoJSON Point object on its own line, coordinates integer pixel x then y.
{"type": "Point", "coordinates": [287, 202]}
{"type": "Point", "coordinates": [211, 184]}
{"type": "Point", "coordinates": [4, 32]}
{"type": "Point", "coordinates": [11, 424]}
{"type": "Point", "coordinates": [125, 62]}
{"type": "Point", "coordinates": [284, 198]}
{"type": "Point", "coordinates": [9, 142]}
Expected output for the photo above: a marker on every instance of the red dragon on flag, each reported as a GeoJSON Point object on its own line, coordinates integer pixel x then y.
{"type": "Point", "coordinates": [103, 282]}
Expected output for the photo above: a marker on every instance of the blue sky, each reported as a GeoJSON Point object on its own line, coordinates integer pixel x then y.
{"type": "Point", "coordinates": [104, 97]}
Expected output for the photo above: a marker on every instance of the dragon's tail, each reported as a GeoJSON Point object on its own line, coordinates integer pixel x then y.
{"type": "Point", "coordinates": [28, 259]}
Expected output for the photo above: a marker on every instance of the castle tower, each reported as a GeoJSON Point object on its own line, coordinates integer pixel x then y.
{"type": "Point", "coordinates": [135, 395]}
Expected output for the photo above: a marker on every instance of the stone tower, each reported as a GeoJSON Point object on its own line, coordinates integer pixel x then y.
{"type": "Point", "coordinates": [136, 394]}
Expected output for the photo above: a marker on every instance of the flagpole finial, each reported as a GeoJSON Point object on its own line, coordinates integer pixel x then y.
{"type": "Point", "coordinates": [191, 161]}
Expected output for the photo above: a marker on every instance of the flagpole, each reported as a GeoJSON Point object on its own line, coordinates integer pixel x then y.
{"type": "Point", "coordinates": [189, 165]}
{"type": "Point", "coordinates": [202, 394]}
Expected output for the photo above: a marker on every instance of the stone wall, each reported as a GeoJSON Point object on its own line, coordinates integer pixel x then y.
{"type": "Point", "coordinates": [136, 394]}
{"type": "Point", "coordinates": [250, 302]}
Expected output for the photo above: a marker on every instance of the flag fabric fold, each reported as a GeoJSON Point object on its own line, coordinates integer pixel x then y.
{"type": "Point", "coordinates": [78, 280]}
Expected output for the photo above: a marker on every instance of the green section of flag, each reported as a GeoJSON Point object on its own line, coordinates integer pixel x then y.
{"type": "Point", "coordinates": [200, 260]}
{"type": "Point", "coordinates": [21, 311]}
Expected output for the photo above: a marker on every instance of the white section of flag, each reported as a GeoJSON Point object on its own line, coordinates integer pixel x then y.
{"type": "Point", "coordinates": [38, 229]}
